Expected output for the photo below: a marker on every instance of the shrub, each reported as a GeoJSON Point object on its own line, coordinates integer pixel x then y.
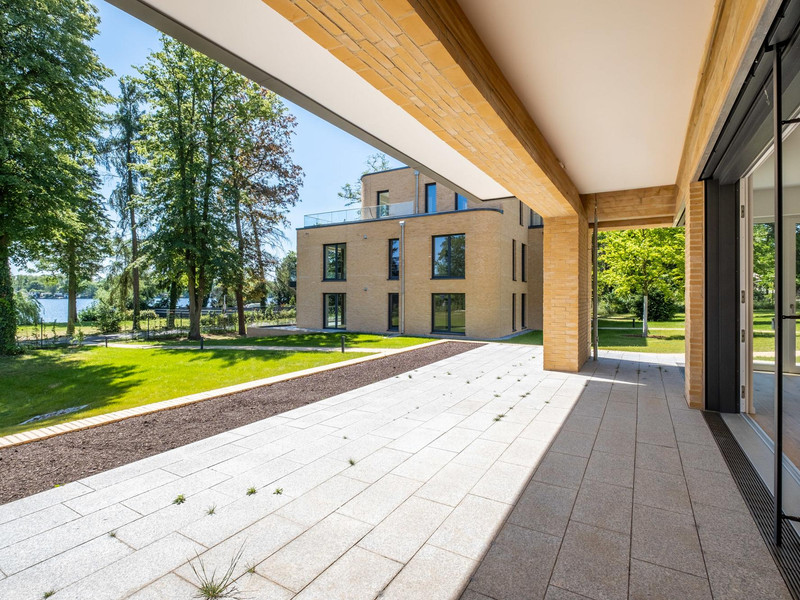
{"type": "Point", "coordinates": [28, 309]}
{"type": "Point", "coordinates": [147, 314]}
{"type": "Point", "coordinates": [109, 319]}
{"type": "Point", "coordinates": [660, 306]}
{"type": "Point", "coordinates": [89, 314]}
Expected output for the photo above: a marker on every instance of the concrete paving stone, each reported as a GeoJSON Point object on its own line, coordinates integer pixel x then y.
{"type": "Point", "coordinates": [298, 482]}
{"type": "Point", "coordinates": [163, 496]}
{"type": "Point", "coordinates": [63, 569]}
{"type": "Point", "coordinates": [400, 535]}
{"type": "Point", "coordinates": [318, 503]}
{"type": "Point", "coordinates": [134, 571]}
{"type": "Point", "coordinates": [700, 456]}
{"type": "Point", "coordinates": [696, 434]}
{"type": "Point", "coordinates": [604, 505]}
{"type": "Point", "coordinates": [744, 583]}
{"type": "Point", "coordinates": [433, 574]}
{"type": "Point", "coordinates": [658, 458]}
{"type": "Point", "coordinates": [255, 587]}
{"type": "Point", "coordinates": [256, 543]}
{"type": "Point", "coordinates": [588, 407]}
{"type": "Point", "coordinates": [347, 418]}
{"type": "Point", "coordinates": [258, 477]}
{"type": "Point", "coordinates": [299, 562]}
{"type": "Point", "coordinates": [169, 586]}
{"type": "Point", "coordinates": [148, 529]}
{"type": "Point", "coordinates": [376, 465]}
{"type": "Point", "coordinates": [451, 483]}
{"type": "Point", "coordinates": [469, 529]}
{"type": "Point", "coordinates": [193, 464]}
{"type": "Point", "coordinates": [525, 452]}
{"type": "Point", "coordinates": [541, 430]}
{"type": "Point", "coordinates": [479, 421]}
{"type": "Point", "coordinates": [661, 434]}
{"type": "Point", "coordinates": [456, 439]}
{"type": "Point", "coordinates": [444, 421]}
{"type": "Point", "coordinates": [593, 562]}
{"type": "Point", "coordinates": [559, 469]}
{"type": "Point", "coordinates": [616, 469]}
{"type": "Point", "coordinates": [415, 440]}
{"type": "Point", "coordinates": [251, 459]}
{"type": "Point", "coordinates": [582, 424]}
{"type": "Point", "coordinates": [714, 489]}
{"type": "Point", "coordinates": [616, 442]}
{"type": "Point", "coordinates": [358, 575]}
{"type": "Point", "coordinates": [557, 593]}
{"type": "Point", "coordinates": [661, 490]}
{"type": "Point", "coordinates": [317, 449]}
{"type": "Point", "coordinates": [572, 442]}
{"type": "Point", "coordinates": [553, 414]}
{"type": "Point", "coordinates": [503, 431]}
{"type": "Point", "coordinates": [423, 465]}
{"type": "Point", "coordinates": [110, 495]}
{"type": "Point", "coordinates": [617, 423]}
{"type": "Point", "coordinates": [545, 508]}
{"type": "Point", "coordinates": [517, 566]}
{"type": "Point", "coordinates": [667, 539]}
{"type": "Point", "coordinates": [359, 448]}
{"type": "Point", "coordinates": [652, 582]}
{"type": "Point", "coordinates": [481, 453]}
{"type": "Point", "coordinates": [379, 499]}
{"type": "Point", "coordinates": [20, 529]}
{"type": "Point", "coordinates": [31, 504]}
{"type": "Point", "coordinates": [503, 482]}
{"type": "Point", "coordinates": [40, 547]}
{"type": "Point", "coordinates": [687, 416]}
{"type": "Point", "coordinates": [396, 429]}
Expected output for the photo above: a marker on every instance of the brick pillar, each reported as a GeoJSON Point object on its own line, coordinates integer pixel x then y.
{"type": "Point", "coordinates": [695, 305]}
{"type": "Point", "coordinates": [566, 292]}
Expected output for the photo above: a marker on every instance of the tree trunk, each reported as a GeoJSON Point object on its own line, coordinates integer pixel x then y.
{"type": "Point", "coordinates": [240, 274]}
{"type": "Point", "coordinates": [173, 304]}
{"type": "Point", "coordinates": [195, 305]}
{"type": "Point", "coordinates": [8, 310]}
{"type": "Point", "coordinates": [135, 270]}
{"type": "Point", "coordinates": [72, 294]}
{"type": "Point", "coordinates": [240, 310]}
{"type": "Point", "coordinates": [644, 316]}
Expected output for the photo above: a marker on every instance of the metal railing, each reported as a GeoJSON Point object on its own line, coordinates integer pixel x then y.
{"type": "Point", "coordinates": [351, 215]}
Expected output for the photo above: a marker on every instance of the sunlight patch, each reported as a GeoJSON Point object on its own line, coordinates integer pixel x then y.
{"type": "Point", "coordinates": [58, 413]}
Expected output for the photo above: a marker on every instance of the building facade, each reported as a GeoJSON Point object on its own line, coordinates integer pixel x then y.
{"type": "Point", "coordinates": [420, 259]}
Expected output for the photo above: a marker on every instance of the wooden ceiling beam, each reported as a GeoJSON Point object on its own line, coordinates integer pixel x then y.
{"type": "Point", "coordinates": [632, 209]}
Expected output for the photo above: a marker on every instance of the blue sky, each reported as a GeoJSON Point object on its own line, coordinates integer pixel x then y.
{"type": "Point", "coordinates": [329, 156]}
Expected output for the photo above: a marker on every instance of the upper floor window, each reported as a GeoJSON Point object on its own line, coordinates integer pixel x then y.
{"type": "Point", "coordinates": [449, 256]}
{"type": "Point", "coordinates": [461, 202]}
{"type": "Point", "coordinates": [523, 252]}
{"type": "Point", "coordinates": [335, 258]}
{"type": "Point", "coordinates": [383, 198]}
{"type": "Point", "coordinates": [513, 260]}
{"type": "Point", "coordinates": [535, 219]}
{"type": "Point", "coordinates": [430, 197]}
{"type": "Point", "coordinates": [521, 212]}
{"type": "Point", "coordinates": [394, 258]}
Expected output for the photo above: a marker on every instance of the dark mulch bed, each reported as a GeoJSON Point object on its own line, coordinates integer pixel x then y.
{"type": "Point", "coordinates": [38, 466]}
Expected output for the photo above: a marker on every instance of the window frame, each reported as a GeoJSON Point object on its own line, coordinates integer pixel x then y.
{"type": "Point", "coordinates": [343, 272]}
{"type": "Point", "coordinates": [378, 197]}
{"type": "Point", "coordinates": [513, 260]}
{"type": "Point", "coordinates": [389, 261]}
{"type": "Point", "coordinates": [521, 212]}
{"type": "Point", "coordinates": [391, 327]}
{"type": "Point", "coordinates": [428, 210]}
{"type": "Point", "coordinates": [523, 265]}
{"type": "Point", "coordinates": [341, 308]}
{"type": "Point", "coordinates": [522, 313]}
{"type": "Point", "coordinates": [449, 329]}
{"type": "Point", "coordinates": [513, 312]}
{"type": "Point", "coordinates": [458, 197]}
{"type": "Point", "coordinates": [449, 256]}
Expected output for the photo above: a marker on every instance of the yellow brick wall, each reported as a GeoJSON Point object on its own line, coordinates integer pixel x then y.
{"type": "Point", "coordinates": [566, 292]}
{"type": "Point", "coordinates": [695, 296]}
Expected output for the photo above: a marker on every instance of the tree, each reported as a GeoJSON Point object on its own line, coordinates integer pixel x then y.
{"type": "Point", "coordinates": [119, 153]}
{"type": "Point", "coordinates": [50, 98]}
{"type": "Point", "coordinates": [285, 275]}
{"type": "Point", "coordinates": [351, 192]}
{"type": "Point", "coordinates": [640, 262]}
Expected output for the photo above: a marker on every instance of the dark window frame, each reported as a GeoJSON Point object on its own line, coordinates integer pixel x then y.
{"type": "Point", "coordinates": [391, 327]}
{"type": "Point", "coordinates": [523, 265]}
{"type": "Point", "coordinates": [341, 274]}
{"type": "Point", "coordinates": [513, 312]}
{"type": "Point", "coordinates": [449, 329]}
{"type": "Point", "coordinates": [378, 197]}
{"type": "Point", "coordinates": [449, 237]}
{"type": "Point", "coordinates": [427, 197]}
{"type": "Point", "coordinates": [341, 307]}
{"type": "Point", "coordinates": [521, 212]}
{"type": "Point", "coordinates": [458, 197]}
{"type": "Point", "coordinates": [389, 262]}
{"type": "Point", "coordinates": [523, 317]}
{"type": "Point", "coordinates": [513, 260]}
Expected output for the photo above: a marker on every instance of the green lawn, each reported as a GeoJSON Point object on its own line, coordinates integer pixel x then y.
{"type": "Point", "coordinates": [309, 340]}
{"type": "Point", "coordinates": [110, 379]}
{"type": "Point", "coordinates": [666, 342]}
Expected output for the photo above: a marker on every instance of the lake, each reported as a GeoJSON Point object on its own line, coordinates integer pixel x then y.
{"type": "Point", "coordinates": [55, 309]}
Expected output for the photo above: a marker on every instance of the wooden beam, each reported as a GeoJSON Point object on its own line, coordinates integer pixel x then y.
{"type": "Point", "coordinates": [427, 58]}
{"type": "Point", "coordinates": [632, 209]}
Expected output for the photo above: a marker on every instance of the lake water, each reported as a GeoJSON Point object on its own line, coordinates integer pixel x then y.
{"type": "Point", "coordinates": [55, 309]}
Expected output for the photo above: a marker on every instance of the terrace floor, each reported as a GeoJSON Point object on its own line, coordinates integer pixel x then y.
{"type": "Point", "coordinates": [630, 498]}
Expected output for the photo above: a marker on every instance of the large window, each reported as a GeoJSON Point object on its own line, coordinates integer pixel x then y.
{"type": "Point", "coordinates": [513, 312]}
{"type": "Point", "coordinates": [335, 257]}
{"type": "Point", "coordinates": [394, 312]}
{"type": "Point", "coordinates": [394, 258]}
{"type": "Point", "coordinates": [513, 260]}
{"type": "Point", "coordinates": [448, 256]}
{"type": "Point", "coordinates": [461, 202]}
{"type": "Point", "coordinates": [522, 305]}
{"type": "Point", "coordinates": [448, 313]}
{"type": "Point", "coordinates": [334, 311]}
{"type": "Point", "coordinates": [520, 212]}
{"type": "Point", "coordinates": [523, 262]}
{"type": "Point", "coordinates": [430, 197]}
{"type": "Point", "coordinates": [382, 203]}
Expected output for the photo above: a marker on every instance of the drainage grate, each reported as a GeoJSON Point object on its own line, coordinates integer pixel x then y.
{"type": "Point", "coordinates": [759, 500]}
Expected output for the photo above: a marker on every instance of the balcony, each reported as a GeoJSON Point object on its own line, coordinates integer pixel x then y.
{"type": "Point", "coordinates": [365, 213]}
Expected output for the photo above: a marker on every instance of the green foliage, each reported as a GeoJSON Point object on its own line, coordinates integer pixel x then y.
{"type": "Point", "coordinates": [28, 309]}
{"type": "Point", "coordinates": [282, 291]}
{"type": "Point", "coordinates": [108, 318]}
{"type": "Point", "coordinates": [351, 192]}
{"type": "Point", "coordinates": [660, 306]}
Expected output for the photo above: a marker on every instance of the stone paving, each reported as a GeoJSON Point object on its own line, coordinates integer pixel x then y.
{"type": "Point", "coordinates": [416, 487]}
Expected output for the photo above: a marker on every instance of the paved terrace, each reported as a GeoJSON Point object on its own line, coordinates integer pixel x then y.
{"type": "Point", "coordinates": [631, 498]}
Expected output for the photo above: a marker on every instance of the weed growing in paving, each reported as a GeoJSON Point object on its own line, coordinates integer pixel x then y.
{"type": "Point", "coordinates": [211, 509]}
{"type": "Point", "coordinates": [344, 437]}
{"type": "Point", "coordinates": [251, 491]}
{"type": "Point", "coordinates": [179, 499]}
{"type": "Point", "coordinates": [112, 534]}
{"type": "Point", "coordinates": [278, 491]}
{"type": "Point", "coordinates": [500, 416]}
{"type": "Point", "coordinates": [449, 373]}
{"type": "Point", "coordinates": [48, 593]}
{"type": "Point", "coordinates": [351, 461]}
{"type": "Point", "coordinates": [497, 395]}
{"type": "Point", "coordinates": [210, 586]}
{"type": "Point", "coordinates": [250, 568]}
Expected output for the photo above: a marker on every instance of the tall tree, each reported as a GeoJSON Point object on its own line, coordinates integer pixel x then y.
{"type": "Point", "coordinates": [50, 98]}
{"type": "Point", "coordinates": [351, 192]}
{"type": "Point", "coordinates": [641, 261]}
{"type": "Point", "coordinates": [120, 154]}
{"type": "Point", "coordinates": [285, 275]}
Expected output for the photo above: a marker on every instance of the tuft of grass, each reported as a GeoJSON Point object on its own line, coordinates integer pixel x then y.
{"type": "Point", "coordinates": [250, 568]}
{"type": "Point", "coordinates": [409, 375]}
{"type": "Point", "coordinates": [48, 593]}
{"type": "Point", "coordinates": [278, 491]}
{"type": "Point", "coordinates": [179, 499]}
{"type": "Point", "coordinates": [498, 377]}
{"type": "Point", "coordinates": [497, 395]}
{"type": "Point", "coordinates": [500, 416]}
{"type": "Point", "coordinates": [251, 491]}
{"type": "Point", "coordinates": [467, 380]}
{"type": "Point", "coordinates": [449, 373]}
{"type": "Point", "coordinates": [211, 509]}
{"type": "Point", "coordinates": [344, 437]}
{"type": "Point", "coordinates": [213, 587]}
{"type": "Point", "coordinates": [351, 461]}
{"type": "Point", "coordinates": [112, 534]}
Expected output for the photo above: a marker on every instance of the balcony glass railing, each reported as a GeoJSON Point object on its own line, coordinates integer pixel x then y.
{"type": "Point", "coordinates": [398, 209]}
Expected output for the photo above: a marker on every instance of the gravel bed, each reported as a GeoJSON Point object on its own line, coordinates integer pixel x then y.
{"type": "Point", "coordinates": [38, 466]}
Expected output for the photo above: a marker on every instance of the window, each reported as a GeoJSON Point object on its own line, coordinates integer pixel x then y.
{"type": "Point", "coordinates": [522, 305]}
{"type": "Point", "coordinates": [448, 313]}
{"type": "Point", "coordinates": [394, 258]}
{"type": "Point", "coordinates": [520, 212]}
{"type": "Point", "coordinates": [513, 312]}
{"type": "Point", "coordinates": [394, 312]}
{"type": "Point", "coordinates": [334, 256]}
{"type": "Point", "coordinates": [333, 317]}
{"type": "Point", "coordinates": [513, 260]}
{"type": "Point", "coordinates": [461, 202]}
{"type": "Point", "coordinates": [535, 220]}
{"type": "Point", "coordinates": [448, 256]}
{"type": "Point", "coordinates": [523, 258]}
{"type": "Point", "coordinates": [430, 197]}
{"type": "Point", "coordinates": [382, 204]}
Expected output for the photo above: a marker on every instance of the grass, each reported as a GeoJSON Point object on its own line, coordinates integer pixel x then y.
{"type": "Point", "coordinates": [309, 340]}
{"type": "Point", "coordinates": [111, 379]}
{"type": "Point", "coordinates": [659, 341]}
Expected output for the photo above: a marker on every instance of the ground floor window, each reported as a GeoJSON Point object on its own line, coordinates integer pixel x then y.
{"type": "Point", "coordinates": [513, 312]}
{"type": "Point", "coordinates": [449, 313]}
{"type": "Point", "coordinates": [523, 303]}
{"type": "Point", "coordinates": [394, 312]}
{"type": "Point", "coordinates": [334, 311]}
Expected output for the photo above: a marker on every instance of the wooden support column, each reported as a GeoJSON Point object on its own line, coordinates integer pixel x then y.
{"type": "Point", "coordinates": [695, 296]}
{"type": "Point", "coordinates": [567, 292]}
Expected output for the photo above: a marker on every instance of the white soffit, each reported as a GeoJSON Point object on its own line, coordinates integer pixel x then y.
{"type": "Point", "coordinates": [610, 83]}
{"type": "Point", "coordinates": [257, 34]}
